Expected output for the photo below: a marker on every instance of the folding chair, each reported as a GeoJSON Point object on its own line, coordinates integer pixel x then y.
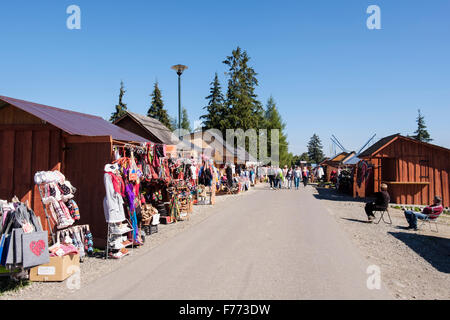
{"type": "Point", "coordinates": [432, 219]}
{"type": "Point", "coordinates": [383, 212]}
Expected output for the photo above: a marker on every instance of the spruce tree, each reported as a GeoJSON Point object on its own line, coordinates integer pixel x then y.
{"type": "Point", "coordinates": [185, 124]}
{"type": "Point", "coordinates": [421, 133]}
{"type": "Point", "coordinates": [304, 157]}
{"type": "Point", "coordinates": [243, 110]}
{"type": "Point", "coordinates": [273, 120]}
{"type": "Point", "coordinates": [121, 108]}
{"type": "Point", "coordinates": [315, 149]}
{"type": "Point", "coordinates": [215, 118]}
{"type": "Point", "coordinates": [157, 110]}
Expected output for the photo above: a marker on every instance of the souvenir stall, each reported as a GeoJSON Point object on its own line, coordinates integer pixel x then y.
{"type": "Point", "coordinates": [145, 186]}
{"type": "Point", "coordinates": [123, 199]}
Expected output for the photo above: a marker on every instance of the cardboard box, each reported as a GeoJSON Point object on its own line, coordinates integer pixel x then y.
{"type": "Point", "coordinates": [165, 220]}
{"type": "Point", "coordinates": [59, 269]}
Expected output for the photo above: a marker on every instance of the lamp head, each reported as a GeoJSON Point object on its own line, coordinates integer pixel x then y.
{"type": "Point", "coordinates": [179, 68]}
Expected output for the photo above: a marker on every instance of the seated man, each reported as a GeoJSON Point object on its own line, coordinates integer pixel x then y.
{"type": "Point", "coordinates": [381, 202]}
{"type": "Point", "coordinates": [430, 212]}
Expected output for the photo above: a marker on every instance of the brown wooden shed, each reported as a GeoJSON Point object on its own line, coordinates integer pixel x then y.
{"type": "Point", "coordinates": [36, 137]}
{"type": "Point", "coordinates": [147, 127]}
{"type": "Point", "coordinates": [414, 171]}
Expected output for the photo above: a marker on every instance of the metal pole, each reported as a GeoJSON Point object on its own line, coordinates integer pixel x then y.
{"type": "Point", "coordinates": [179, 104]}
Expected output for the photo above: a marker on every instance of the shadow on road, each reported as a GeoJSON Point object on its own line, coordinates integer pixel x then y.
{"type": "Point", "coordinates": [356, 220]}
{"type": "Point", "coordinates": [435, 250]}
{"type": "Point", "coordinates": [333, 194]}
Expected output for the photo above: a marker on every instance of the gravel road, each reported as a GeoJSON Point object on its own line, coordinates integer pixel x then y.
{"type": "Point", "coordinates": [96, 267]}
{"type": "Point", "coordinates": [266, 244]}
{"type": "Point", "coordinates": [414, 264]}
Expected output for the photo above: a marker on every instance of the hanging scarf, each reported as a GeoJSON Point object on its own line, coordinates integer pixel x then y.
{"type": "Point", "coordinates": [155, 158]}
{"type": "Point", "coordinates": [118, 184]}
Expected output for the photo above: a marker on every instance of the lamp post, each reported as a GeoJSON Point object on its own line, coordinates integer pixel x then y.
{"type": "Point", "coordinates": [179, 68]}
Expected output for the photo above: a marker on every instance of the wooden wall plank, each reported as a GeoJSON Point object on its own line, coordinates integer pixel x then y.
{"type": "Point", "coordinates": [7, 141]}
{"type": "Point", "coordinates": [40, 162]}
{"type": "Point", "coordinates": [22, 165]}
{"type": "Point", "coordinates": [55, 152]}
{"type": "Point", "coordinates": [84, 168]}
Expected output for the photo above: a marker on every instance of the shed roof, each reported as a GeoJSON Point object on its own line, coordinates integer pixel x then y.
{"type": "Point", "coordinates": [74, 123]}
{"type": "Point", "coordinates": [218, 142]}
{"type": "Point", "coordinates": [384, 142]}
{"type": "Point", "coordinates": [378, 145]}
{"type": "Point", "coordinates": [153, 126]}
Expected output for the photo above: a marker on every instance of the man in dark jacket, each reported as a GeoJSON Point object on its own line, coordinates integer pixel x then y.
{"type": "Point", "coordinates": [381, 202]}
{"type": "Point", "coordinates": [229, 173]}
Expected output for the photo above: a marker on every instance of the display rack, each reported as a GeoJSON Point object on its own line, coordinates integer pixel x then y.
{"type": "Point", "coordinates": [110, 234]}
{"type": "Point", "coordinates": [50, 228]}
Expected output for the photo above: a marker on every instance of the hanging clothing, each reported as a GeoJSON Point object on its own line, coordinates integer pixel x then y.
{"type": "Point", "coordinates": [113, 202]}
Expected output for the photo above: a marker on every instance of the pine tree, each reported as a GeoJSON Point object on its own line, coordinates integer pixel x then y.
{"type": "Point", "coordinates": [315, 149]}
{"type": "Point", "coordinates": [421, 133]}
{"type": "Point", "coordinates": [273, 120]}
{"type": "Point", "coordinates": [157, 110]}
{"type": "Point", "coordinates": [121, 108]}
{"type": "Point", "coordinates": [304, 157]}
{"type": "Point", "coordinates": [244, 111]}
{"type": "Point", "coordinates": [215, 118]}
{"type": "Point", "coordinates": [185, 124]}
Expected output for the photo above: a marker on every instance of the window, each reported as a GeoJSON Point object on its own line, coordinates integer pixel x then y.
{"type": "Point", "coordinates": [424, 170]}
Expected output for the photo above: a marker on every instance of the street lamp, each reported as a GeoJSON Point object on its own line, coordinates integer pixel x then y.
{"type": "Point", "coordinates": [179, 68]}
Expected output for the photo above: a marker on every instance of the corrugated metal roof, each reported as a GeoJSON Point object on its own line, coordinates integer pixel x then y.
{"type": "Point", "coordinates": [154, 126]}
{"type": "Point", "coordinates": [74, 123]}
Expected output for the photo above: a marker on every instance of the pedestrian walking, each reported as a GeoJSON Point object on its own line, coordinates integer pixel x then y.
{"type": "Point", "coordinates": [285, 181]}
{"type": "Point", "coordinates": [290, 177]}
{"type": "Point", "coordinates": [297, 177]}
{"type": "Point", "coordinates": [279, 178]}
{"type": "Point", "coordinates": [271, 175]}
{"type": "Point", "coordinates": [305, 176]}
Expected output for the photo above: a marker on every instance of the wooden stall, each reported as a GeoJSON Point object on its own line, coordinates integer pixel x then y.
{"type": "Point", "coordinates": [36, 137]}
{"type": "Point", "coordinates": [414, 171]}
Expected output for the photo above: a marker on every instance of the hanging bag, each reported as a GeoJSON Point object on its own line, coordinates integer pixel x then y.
{"type": "Point", "coordinates": [5, 238]}
{"type": "Point", "coordinates": [35, 249]}
{"type": "Point", "coordinates": [17, 238]}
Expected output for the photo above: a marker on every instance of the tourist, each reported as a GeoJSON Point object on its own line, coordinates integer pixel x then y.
{"type": "Point", "coordinates": [429, 213]}
{"type": "Point", "coordinates": [279, 178]}
{"type": "Point", "coordinates": [285, 181]}
{"type": "Point", "coordinates": [382, 200]}
{"type": "Point", "coordinates": [290, 177]}
{"type": "Point", "coordinates": [271, 175]}
{"type": "Point", "coordinates": [297, 176]}
{"type": "Point", "coordinates": [305, 176]}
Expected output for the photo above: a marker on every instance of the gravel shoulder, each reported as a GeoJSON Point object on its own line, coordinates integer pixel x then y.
{"type": "Point", "coordinates": [95, 267]}
{"type": "Point", "coordinates": [414, 264]}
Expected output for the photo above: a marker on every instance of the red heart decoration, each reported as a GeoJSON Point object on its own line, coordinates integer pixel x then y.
{"type": "Point", "coordinates": [37, 247]}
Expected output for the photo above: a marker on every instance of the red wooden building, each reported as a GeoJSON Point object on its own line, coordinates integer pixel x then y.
{"type": "Point", "coordinates": [36, 137]}
{"type": "Point", "coordinates": [414, 171]}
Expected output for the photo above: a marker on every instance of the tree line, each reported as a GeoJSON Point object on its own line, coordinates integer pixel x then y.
{"type": "Point", "coordinates": [156, 110]}
{"type": "Point", "coordinates": [239, 108]}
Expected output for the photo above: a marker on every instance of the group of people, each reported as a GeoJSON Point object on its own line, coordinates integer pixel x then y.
{"type": "Point", "coordinates": [382, 200]}
{"type": "Point", "coordinates": [287, 178]}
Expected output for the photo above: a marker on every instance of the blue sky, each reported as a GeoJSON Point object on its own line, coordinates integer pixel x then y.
{"type": "Point", "coordinates": [328, 73]}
